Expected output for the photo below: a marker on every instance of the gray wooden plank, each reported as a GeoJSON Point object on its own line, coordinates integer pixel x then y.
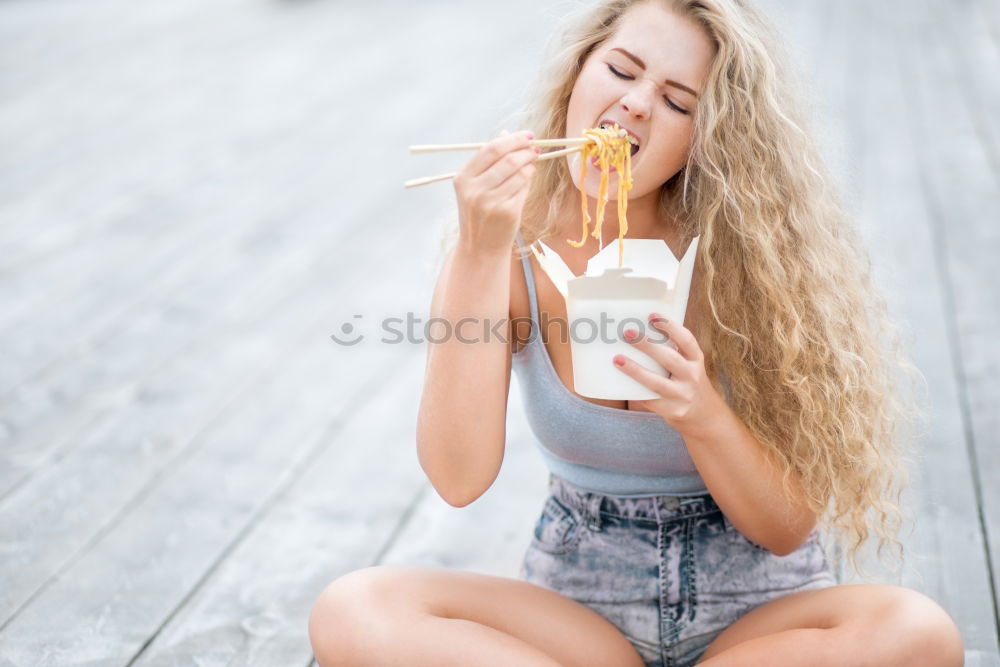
{"type": "Point", "coordinates": [33, 431]}
{"type": "Point", "coordinates": [981, 659]}
{"type": "Point", "coordinates": [990, 13]}
{"type": "Point", "coordinates": [72, 78]}
{"type": "Point", "coordinates": [116, 462]}
{"type": "Point", "coordinates": [822, 61]}
{"type": "Point", "coordinates": [963, 196]}
{"type": "Point", "coordinates": [338, 493]}
{"type": "Point", "coordinates": [975, 59]}
{"type": "Point", "coordinates": [30, 350]}
{"type": "Point", "coordinates": [946, 550]}
{"type": "Point", "coordinates": [115, 596]}
{"type": "Point", "coordinates": [160, 386]}
{"type": "Point", "coordinates": [47, 415]}
{"type": "Point", "coordinates": [77, 82]}
{"type": "Point", "coordinates": [227, 201]}
{"type": "Point", "coordinates": [336, 517]}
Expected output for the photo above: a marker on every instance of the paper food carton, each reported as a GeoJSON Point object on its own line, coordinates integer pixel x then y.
{"type": "Point", "coordinates": [607, 300]}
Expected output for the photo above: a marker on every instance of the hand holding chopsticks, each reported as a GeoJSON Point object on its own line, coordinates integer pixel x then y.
{"type": "Point", "coordinates": [574, 144]}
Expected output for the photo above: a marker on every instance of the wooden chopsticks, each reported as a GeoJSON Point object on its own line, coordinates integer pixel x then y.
{"type": "Point", "coordinates": [541, 143]}
{"type": "Point", "coordinates": [574, 144]}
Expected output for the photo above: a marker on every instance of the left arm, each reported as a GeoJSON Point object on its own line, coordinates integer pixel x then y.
{"type": "Point", "coordinates": [743, 480]}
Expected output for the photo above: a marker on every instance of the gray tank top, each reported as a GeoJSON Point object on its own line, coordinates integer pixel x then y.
{"type": "Point", "coordinates": [599, 449]}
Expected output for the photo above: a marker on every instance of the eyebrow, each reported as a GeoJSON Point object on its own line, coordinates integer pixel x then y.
{"type": "Point", "coordinates": [638, 61]}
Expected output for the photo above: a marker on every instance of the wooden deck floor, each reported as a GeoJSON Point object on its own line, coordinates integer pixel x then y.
{"type": "Point", "coordinates": [188, 211]}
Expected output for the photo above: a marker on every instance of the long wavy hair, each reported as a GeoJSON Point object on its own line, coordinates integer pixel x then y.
{"type": "Point", "coordinates": [783, 297]}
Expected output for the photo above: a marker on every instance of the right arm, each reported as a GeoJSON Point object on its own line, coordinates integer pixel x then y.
{"type": "Point", "coordinates": [461, 426]}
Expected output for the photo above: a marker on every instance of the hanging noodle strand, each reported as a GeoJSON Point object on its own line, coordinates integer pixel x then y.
{"type": "Point", "coordinates": [611, 147]}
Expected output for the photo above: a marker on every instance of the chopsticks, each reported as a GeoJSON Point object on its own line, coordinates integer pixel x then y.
{"type": "Point", "coordinates": [541, 143]}
{"type": "Point", "coordinates": [574, 146]}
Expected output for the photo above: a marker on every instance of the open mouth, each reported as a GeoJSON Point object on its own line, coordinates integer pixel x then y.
{"type": "Point", "coordinates": [622, 132]}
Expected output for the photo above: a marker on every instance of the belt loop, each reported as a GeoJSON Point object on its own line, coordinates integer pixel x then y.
{"type": "Point", "coordinates": [594, 512]}
{"type": "Point", "coordinates": [656, 510]}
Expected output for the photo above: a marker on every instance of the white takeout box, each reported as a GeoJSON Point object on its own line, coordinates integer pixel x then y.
{"type": "Point", "coordinates": [607, 300]}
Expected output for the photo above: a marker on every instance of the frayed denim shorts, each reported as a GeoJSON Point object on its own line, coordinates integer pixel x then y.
{"type": "Point", "coordinates": [670, 572]}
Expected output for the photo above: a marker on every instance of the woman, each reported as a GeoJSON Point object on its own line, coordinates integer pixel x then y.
{"type": "Point", "coordinates": [682, 529]}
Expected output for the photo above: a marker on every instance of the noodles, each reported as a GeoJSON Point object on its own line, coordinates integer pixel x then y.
{"type": "Point", "coordinates": [612, 148]}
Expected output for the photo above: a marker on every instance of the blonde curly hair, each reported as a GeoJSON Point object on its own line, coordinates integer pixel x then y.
{"type": "Point", "coordinates": [785, 301]}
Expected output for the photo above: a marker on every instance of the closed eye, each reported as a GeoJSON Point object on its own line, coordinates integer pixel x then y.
{"type": "Point", "coordinates": [622, 75]}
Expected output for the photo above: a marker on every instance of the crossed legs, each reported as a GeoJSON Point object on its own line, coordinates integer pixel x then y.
{"type": "Point", "coordinates": [395, 615]}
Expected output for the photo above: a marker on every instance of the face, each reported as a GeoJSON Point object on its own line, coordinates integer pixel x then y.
{"type": "Point", "coordinates": [637, 78]}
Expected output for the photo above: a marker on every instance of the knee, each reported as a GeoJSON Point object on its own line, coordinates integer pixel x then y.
{"type": "Point", "coordinates": [921, 632]}
{"type": "Point", "coordinates": [347, 620]}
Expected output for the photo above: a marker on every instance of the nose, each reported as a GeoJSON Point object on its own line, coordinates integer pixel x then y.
{"type": "Point", "coordinates": [638, 100]}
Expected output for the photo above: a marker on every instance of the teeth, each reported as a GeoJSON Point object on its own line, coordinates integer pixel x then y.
{"type": "Point", "coordinates": [621, 133]}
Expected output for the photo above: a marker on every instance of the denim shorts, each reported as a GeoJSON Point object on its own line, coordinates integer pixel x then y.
{"type": "Point", "coordinates": [670, 572]}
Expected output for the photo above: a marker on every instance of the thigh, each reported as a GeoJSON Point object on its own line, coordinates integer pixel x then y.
{"type": "Point", "coordinates": [568, 631]}
{"type": "Point", "coordinates": [613, 568]}
{"type": "Point", "coordinates": [876, 615]}
{"type": "Point", "coordinates": [824, 608]}
{"type": "Point", "coordinates": [726, 576]}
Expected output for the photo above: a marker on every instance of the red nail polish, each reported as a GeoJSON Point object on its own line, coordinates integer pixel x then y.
{"type": "Point", "coordinates": [619, 360]}
{"type": "Point", "coordinates": [631, 334]}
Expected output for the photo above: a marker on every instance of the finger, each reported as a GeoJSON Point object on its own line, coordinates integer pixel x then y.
{"type": "Point", "coordinates": [495, 150]}
{"type": "Point", "coordinates": [665, 387]}
{"type": "Point", "coordinates": [501, 170]}
{"type": "Point", "coordinates": [515, 184]}
{"type": "Point", "coordinates": [510, 198]}
{"type": "Point", "coordinates": [682, 337]}
{"type": "Point", "coordinates": [663, 353]}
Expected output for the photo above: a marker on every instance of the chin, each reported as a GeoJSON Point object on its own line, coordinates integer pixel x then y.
{"type": "Point", "coordinates": [593, 182]}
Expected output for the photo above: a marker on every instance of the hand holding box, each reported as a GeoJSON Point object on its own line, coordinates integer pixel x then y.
{"type": "Point", "coordinates": [606, 300]}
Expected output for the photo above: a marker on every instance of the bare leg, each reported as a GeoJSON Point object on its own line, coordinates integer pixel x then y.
{"type": "Point", "coordinates": [815, 647]}
{"type": "Point", "coordinates": [393, 615]}
{"type": "Point", "coordinates": [455, 641]}
{"type": "Point", "coordinates": [842, 625]}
